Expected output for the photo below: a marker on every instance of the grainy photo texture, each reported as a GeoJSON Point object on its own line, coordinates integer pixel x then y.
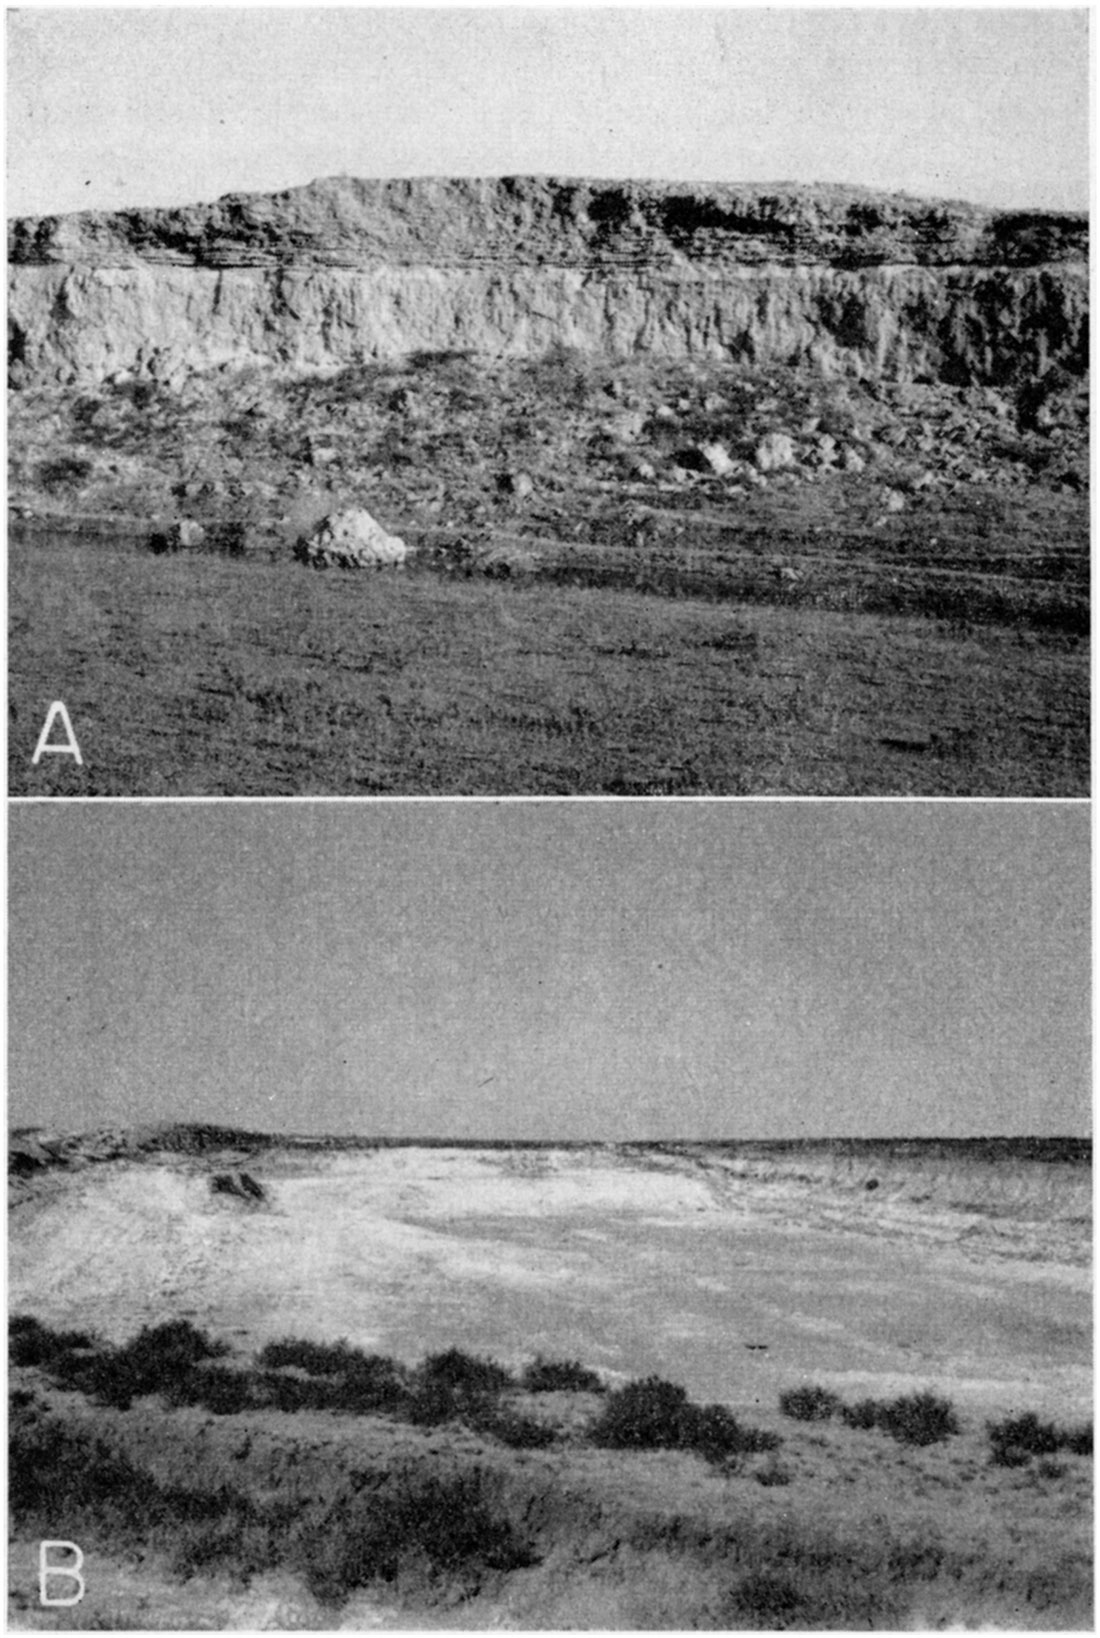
{"type": "Point", "coordinates": [626, 402]}
{"type": "Point", "coordinates": [600, 1216]}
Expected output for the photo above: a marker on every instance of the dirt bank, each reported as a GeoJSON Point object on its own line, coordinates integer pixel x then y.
{"type": "Point", "coordinates": [345, 271]}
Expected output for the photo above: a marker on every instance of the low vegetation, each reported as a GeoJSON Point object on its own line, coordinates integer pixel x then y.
{"type": "Point", "coordinates": [1016, 1439]}
{"type": "Point", "coordinates": [652, 1414]}
{"type": "Point", "coordinates": [560, 1376]}
{"type": "Point", "coordinates": [450, 1520]}
{"type": "Point", "coordinates": [809, 1403]}
{"type": "Point", "coordinates": [294, 1374]}
{"type": "Point", "coordinates": [912, 1419]}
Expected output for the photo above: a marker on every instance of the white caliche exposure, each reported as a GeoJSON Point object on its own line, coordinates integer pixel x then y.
{"type": "Point", "coordinates": [345, 271]}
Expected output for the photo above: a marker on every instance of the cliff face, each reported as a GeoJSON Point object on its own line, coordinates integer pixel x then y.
{"type": "Point", "coordinates": [345, 271]}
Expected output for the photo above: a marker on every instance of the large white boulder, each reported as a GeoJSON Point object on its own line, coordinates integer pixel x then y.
{"type": "Point", "coordinates": [775, 452]}
{"type": "Point", "coordinates": [350, 540]}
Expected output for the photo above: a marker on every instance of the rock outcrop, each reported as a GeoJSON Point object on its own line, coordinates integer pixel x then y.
{"type": "Point", "coordinates": [346, 271]}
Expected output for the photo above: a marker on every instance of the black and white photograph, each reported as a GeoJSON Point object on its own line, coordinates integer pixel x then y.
{"type": "Point", "coordinates": [594, 1216]}
{"type": "Point", "coordinates": [550, 933]}
{"type": "Point", "coordinates": [521, 401]}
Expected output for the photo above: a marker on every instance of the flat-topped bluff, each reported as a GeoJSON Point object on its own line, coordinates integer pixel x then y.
{"type": "Point", "coordinates": [346, 271]}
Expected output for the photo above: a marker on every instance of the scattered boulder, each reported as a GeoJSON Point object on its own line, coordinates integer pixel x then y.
{"type": "Point", "coordinates": [712, 458]}
{"type": "Point", "coordinates": [504, 562]}
{"type": "Point", "coordinates": [624, 428]}
{"type": "Point", "coordinates": [518, 484]}
{"type": "Point", "coordinates": [240, 1186]}
{"type": "Point", "coordinates": [350, 540]}
{"type": "Point", "coordinates": [182, 536]}
{"type": "Point", "coordinates": [775, 451]}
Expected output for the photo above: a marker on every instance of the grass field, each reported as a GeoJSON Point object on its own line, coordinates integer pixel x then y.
{"type": "Point", "coordinates": [198, 675]}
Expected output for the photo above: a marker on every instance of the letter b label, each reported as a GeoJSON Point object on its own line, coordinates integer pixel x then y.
{"type": "Point", "coordinates": [48, 1572]}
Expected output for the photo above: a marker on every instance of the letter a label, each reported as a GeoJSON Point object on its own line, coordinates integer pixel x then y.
{"type": "Point", "coordinates": [69, 747]}
{"type": "Point", "coordinates": [68, 1572]}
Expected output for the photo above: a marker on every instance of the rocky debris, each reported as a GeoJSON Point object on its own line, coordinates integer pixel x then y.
{"type": "Point", "coordinates": [775, 452]}
{"type": "Point", "coordinates": [717, 458]}
{"type": "Point", "coordinates": [517, 484]}
{"type": "Point", "coordinates": [184, 535]}
{"type": "Point", "coordinates": [350, 540]}
{"type": "Point", "coordinates": [239, 1186]}
{"type": "Point", "coordinates": [909, 737]}
{"type": "Point", "coordinates": [502, 562]}
{"type": "Point", "coordinates": [232, 458]}
{"type": "Point", "coordinates": [626, 427]}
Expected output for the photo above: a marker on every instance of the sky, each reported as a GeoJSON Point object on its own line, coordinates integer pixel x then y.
{"type": "Point", "coordinates": [112, 107]}
{"type": "Point", "coordinates": [553, 970]}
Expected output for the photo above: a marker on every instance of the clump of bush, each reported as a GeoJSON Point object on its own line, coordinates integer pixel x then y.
{"type": "Point", "coordinates": [1016, 1439]}
{"type": "Point", "coordinates": [918, 1419]}
{"type": "Point", "coordinates": [32, 1343]}
{"type": "Point", "coordinates": [512, 1428]}
{"type": "Point", "coordinates": [560, 1376]}
{"type": "Point", "coordinates": [809, 1403]}
{"type": "Point", "coordinates": [863, 1414]}
{"type": "Point", "coordinates": [446, 1525]}
{"type": "Point", "coordinates": [465, 1373]}
{"type": "Point", "coordinates": [712, 1431]}
{"type": "Point", "coordinates": [160, 1359]}
{"type": "Point", "coordinates": [317, 1358]}
{"type": "Point", "coordinates": [652, 1414]}
{"type": "Point", "coordinates": [649, 1414]}
{"type": "Point", "coordinates": [912, 1419]}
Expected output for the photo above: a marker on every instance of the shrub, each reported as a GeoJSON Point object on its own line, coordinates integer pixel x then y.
{"type": "Point", "coordinates": [342, 1378]}
{"type": "Point", "coordinates": [1078, 1441]}
{"type": "Point", "coordinates": [809, 1403]}
{"type": "Point", "coordinates": [1017, 1439]}
{"type": "Point", "coordinates": [918, 1419]}
{"type": "Point", "coordinates": [32, 1343]}
{"type": "Point", "coordinates": [644, 1415]}
{"type": "Point", "coordinates": [372, 1382]}
{"type": "Point", "coordinates": [446, 1523]}
{"type": "Point", "coordinates": [161, 1357]}
{"type": "Point", "coordinates": [318, 1358]}
{"type": "Point", "coordinates": [712, 1431]}
{"type": "Point", "coordinates": [512, 1428]}
{"type": "Point", "coordinates": [560, 1375]}
{"type": "Point", "coordinates": [767, 1600]}
{"type": "Point", "coordinates": [221, 1391]}
{"type": "Point", "coordinates": [432, 1402]}
{"type": "Point", "coordinates": [464, 1372]}
{"type": "Point", "coordinates": [774, 1474]}
{"type": "Point", "coordinates": [863, 1414]}
{"type": "Point", "coordinates": [64, 470]}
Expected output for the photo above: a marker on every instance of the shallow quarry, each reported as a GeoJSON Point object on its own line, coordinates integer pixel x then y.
{"type": "Point", "coordinates": [735, 1277]}
{"type": "Point", "coordinates": [871, 1270]}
